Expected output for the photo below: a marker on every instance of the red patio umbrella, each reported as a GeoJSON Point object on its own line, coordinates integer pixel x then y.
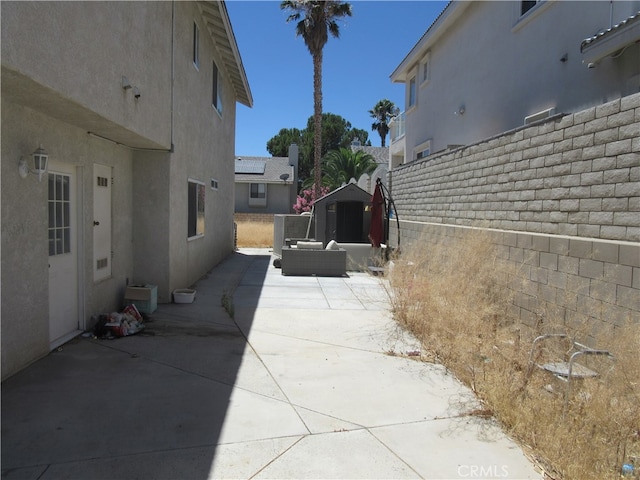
{"type": "Point", "coordinates": [376, 228]}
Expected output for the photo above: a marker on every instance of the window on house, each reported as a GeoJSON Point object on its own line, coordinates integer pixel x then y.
{"type": "Point", "coordinates": [423, 150]}
{"type": "Point", "coordinates": [196, 209]}
{"type": "Point", "coordinates": [59, 214]}
{"type": "Point", "coordinates": [196, 45]}
{"type": "Point", "coordinates": [425, 67]}
{"type": "Point", "coordinates": [216, 95]}
{"type": "Point", "coordinates": [214, 184]}
{"type": "Point", "coordinates": [258, 190]}
{"type": "Point", "coordinates": [412, 92]}
{"type": "Point", "coordinates": [258, 195]}
{"type": "Point", "coordinates": [527, 5]}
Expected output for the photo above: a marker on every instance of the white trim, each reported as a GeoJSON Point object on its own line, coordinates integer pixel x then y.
{"type": "Point", "coordinates": [196, 182]}
{"type": "Point", "coordinates": [521, 20]}
{"type": "Point", "coordinates": [195, 45]}
{"type": "Point", "coordinates": [193, 180]}
{"type": "Point", "coordinates": [80, 245]}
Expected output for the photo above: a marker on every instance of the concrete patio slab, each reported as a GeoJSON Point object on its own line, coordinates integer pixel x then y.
{"type": "Point", "coordinates": [310, 378]}
{"type": "Point", "coordinates": [334, 455]}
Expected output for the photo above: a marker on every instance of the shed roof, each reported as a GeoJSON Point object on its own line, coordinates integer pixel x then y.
{"type": "Point", "coordinates": [350, 190]}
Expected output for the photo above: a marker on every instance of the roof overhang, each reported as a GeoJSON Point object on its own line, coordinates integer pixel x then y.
{"type": "Point", "coordinates": [447, 17]}
{"type": "Point", "coordinates": [611, 41]}
{"type": "Point", "coordinates": [218, 24]}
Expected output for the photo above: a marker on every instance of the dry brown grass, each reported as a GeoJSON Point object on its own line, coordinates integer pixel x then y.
{"type": "Point", "coordinates": [455, 296]}
{"type": "Point", "coordinates": [255, 234]}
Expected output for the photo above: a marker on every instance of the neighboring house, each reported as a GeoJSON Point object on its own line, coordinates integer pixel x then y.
{"type": "Point", "coordinates": [381, 157]}
{"type": "Point", "coordinates": [135, 105]}
{"type": "Point", "coordinates": [266, 184]}
{"type": "Point", "coordinates": [483, 68]}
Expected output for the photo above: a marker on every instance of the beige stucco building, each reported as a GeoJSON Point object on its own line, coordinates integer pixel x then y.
{"type": "Point", "coordinates": [134, 104]}
{"type": "Point", "coordinates": [483, 68]}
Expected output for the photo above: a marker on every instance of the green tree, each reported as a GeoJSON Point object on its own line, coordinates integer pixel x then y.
{"type": "Point", "coordinates": [278, 145]}
{"type": "Point", "coordinates": [336, 133]}
{"type": "Point", "coordinates": [316, 20]}
{"type": "Point", "coordinates": [383, 113]}
{"type": "Point", "coordinates": [341, 165]}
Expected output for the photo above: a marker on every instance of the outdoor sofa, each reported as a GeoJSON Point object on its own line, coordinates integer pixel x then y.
{"type": "Point", "coordinates": [309, 258]}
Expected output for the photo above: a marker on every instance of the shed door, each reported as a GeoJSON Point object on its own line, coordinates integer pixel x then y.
{"type": "Point", "coordinates": [349, 216]}
{"type": "Point", "coordinates": [63, 255]}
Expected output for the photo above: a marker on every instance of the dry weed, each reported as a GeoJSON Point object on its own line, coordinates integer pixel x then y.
{"type": "Point", "coordinates": [255, 234]}
{"type": "Point", "coordinates": [455, 296]}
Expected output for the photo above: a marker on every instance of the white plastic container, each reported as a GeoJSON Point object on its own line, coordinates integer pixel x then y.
{"type": "Point", "coordinates": [184, 295]}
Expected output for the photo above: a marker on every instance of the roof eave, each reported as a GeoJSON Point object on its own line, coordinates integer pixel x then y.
{"type": "Point", "coordinates": [447, 17]}
{"type": "Point", "coordinates": [217, 20]}
{"type": "Point", "coordinates": [613, 40]}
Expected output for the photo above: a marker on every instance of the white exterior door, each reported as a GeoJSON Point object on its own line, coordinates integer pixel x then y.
{"type": "Point", "coordinates": [63, 256]}
{"type": "Point", "coordinates": [101, 222]}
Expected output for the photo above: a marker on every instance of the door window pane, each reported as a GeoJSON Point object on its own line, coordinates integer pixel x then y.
{"type": "Point", "coordinates": [59, 214]}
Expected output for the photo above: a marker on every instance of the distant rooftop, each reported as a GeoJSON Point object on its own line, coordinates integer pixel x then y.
{"type": "Point", "coordinates": [263, 170]}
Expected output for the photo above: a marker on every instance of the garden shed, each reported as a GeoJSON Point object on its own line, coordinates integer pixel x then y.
{"type": "Point", "coordinates": [343, 215]}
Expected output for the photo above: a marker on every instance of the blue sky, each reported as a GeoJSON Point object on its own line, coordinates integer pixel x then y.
{"type": "Point", "coordinates": [356, 67]}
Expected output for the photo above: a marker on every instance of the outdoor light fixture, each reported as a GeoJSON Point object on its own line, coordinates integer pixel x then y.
{"type": "Point", "coordinates": [126, 84]}
{"type": "Point", "coordinates": [40, 158]}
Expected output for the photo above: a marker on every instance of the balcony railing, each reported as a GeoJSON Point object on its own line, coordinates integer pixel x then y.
{"type": "Point", "coordinates": [396, 127]}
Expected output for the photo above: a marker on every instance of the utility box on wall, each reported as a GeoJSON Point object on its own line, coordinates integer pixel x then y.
{"type": "Point", "coordinates": [144, 297]}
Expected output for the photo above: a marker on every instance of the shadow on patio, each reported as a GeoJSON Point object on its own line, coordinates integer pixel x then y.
{"type": "Point", "coordinates": [152, 405]}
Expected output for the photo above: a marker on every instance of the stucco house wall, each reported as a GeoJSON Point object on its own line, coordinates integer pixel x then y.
{"type": "Point", "coordinates": [62, 88]}
{"type": "Point", "coordinates": [277, 175]}
{"type": "Point", "coordinates": [489, 67]}
{"type": "Point", "coordinates": [278, 199]}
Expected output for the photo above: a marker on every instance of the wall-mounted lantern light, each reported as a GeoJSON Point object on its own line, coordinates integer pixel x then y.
{"type": "Point", "coordinates": [40, 158]}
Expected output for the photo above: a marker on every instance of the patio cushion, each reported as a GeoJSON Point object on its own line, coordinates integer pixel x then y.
{"type": "Point", "coordinates": [309, 245]}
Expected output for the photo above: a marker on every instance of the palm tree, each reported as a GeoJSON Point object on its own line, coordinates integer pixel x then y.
{"type": "Point", "coordinates": [319, 20]}
{"type": "Point", "coordinates": [383, 113]}
{"type": "Point", "coordinates": [340, 166]}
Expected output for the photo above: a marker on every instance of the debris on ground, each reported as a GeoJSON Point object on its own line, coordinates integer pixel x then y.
{"type": "Point", "coordinates": [119, 324]}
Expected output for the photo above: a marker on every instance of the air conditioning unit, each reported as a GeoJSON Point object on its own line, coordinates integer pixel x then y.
{"type": "Point", "coordinates": [536, 117]}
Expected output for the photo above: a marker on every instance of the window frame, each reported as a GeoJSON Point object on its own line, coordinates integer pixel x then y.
{"type": "Point", "coordinates": [419, 150]}
{"type": "Point", "coordinates": [59, 207]}
{"type": "Point", "coordinates": [196, 201]}
{"type": "Point", "coordinates": [425, 63]}
{"type": "Point", "coordinates": [529, 5]}
{"type": "Point", "coordinates": [260, 200]}
{"type": "Point", "coordinates": [216, 88]}
{"type": "Point", "coordinates": [196, 46]}
{"type": "Point", "coordinates": [412, 92]}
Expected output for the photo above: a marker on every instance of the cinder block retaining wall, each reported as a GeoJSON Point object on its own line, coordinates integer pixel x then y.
{"type": "Point", "coordinates": [561, 197]}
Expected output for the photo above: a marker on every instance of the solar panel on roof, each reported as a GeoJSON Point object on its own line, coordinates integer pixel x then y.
{"type": "Point", "coordinates": [255, 167]}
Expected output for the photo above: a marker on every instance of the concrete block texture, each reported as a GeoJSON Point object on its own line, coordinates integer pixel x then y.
{"type": "Point", "coordinates": [574, 181]}
{"type": "Point", "coordinates": [586, 160]}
